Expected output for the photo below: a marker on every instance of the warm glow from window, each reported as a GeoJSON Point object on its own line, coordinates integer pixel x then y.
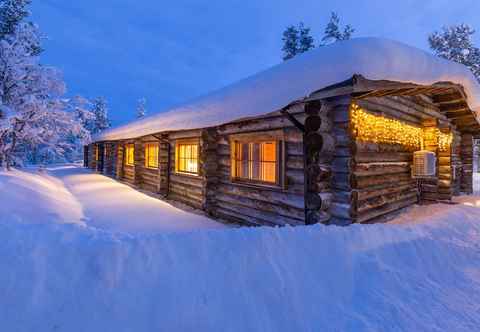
{"type": "Point", "coordinates": [129, 155]}
{"type": "Point", "coordinates": [186, 158]}
{"type": "Point", "coordinates": [151, 155]}
{"type": "Point", "coordinates": [96, 152]}
{"type": "Point", "coordinates": [255, 161]}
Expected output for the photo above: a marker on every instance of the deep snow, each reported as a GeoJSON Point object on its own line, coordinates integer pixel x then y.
{"type": "Point", "coordinates": [421, 273]}
{"type": "Point", "coordinates": [277, 87]}
{"type": "Point", "coordinates": [68, 193]}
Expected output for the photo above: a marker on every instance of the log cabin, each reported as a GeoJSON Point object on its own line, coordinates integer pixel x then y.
{"type": "Point", "coordinates": [327, 137]}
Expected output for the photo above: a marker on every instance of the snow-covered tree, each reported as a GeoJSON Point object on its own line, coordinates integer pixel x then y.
{"type": "Point", "coordinates": [100, 112]}
{"type": "Point", "coordinates": [13, 14]}
{"type": "Point", "coordinates": [35, 123]}
{"type": "Point", "coordinates": [334, 33]}
{"type": "Point", "coordinates": [141, 108]}
{"type": "Point", "coordinates": [455, 43]}
{"type": "Point", "coordinates": [26, 90]}
{"type": "Point", "coordinates": [296, 40]}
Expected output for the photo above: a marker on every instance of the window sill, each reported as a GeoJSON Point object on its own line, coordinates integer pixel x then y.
{"type": "Point", "coordinates": [261, 186]}
{"type": "Point", "coordinates": [191, 175]}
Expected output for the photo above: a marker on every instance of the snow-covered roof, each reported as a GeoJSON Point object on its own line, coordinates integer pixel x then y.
{"type": "Point", "coordinates": [275, 88]}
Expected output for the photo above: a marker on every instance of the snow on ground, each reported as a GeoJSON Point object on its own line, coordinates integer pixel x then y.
{"type": "Point", "coordinates": [386, 277]}
{"type": "Point", "coordinates": [35, 197]}
{"type": "Point", "coordinates": [73, 194]}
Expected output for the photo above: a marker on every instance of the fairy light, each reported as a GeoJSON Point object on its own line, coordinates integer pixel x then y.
{"type": "Point", "coordinates": [378, 129]}
{"type": "Point", "coordinates": [373, 128]}
{"type": "Point", "coordinates": [444, 140]}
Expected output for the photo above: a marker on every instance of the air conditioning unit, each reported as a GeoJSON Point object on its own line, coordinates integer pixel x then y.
{"type": "Point", "coordinates": [424, 164]}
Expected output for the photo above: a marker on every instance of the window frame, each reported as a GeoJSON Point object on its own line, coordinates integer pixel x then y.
{"type": "Point", "coordinates": [127, 146]}
{"type": "Point", "coordinates": [187, 141]}
{"type": "Point", "coordinates": [146, 154]}
{"type": "Point", "coordinates": [259, 137]}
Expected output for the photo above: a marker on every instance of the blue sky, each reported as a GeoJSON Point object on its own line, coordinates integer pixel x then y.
{"type": "Point", "coordinates": [172, 51]}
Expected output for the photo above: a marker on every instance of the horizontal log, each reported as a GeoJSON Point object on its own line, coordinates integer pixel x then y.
{"type": "Point", "coordinates": [340, 210]}
{"type": "Point", "coordinates": [261, 205]}
{"type": "Point", "coordinates": [384, 210]}
{"type": "Point", "coordinates": [365, 182]}
{"type": "Point", "coordinates": [385, 200]}
{"type": "Point", "coordinates": [366, 157]}
{"type": "Point", "coordinates": [389, 188]}
{"type": "Point", "coordinates": [274, 197]}
{"type": "Point", "coordinates": [371, 169]}
{"type": "Point", "coordinates": [262, 216]}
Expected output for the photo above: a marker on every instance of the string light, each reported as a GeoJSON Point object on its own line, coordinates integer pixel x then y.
{"type": "Point", "coordinates": [444, 140]}
{"type": "Point", "coordinates": [372, 128]}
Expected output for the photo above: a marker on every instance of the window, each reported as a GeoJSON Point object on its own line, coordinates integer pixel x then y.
{"type": "Point", "coordinates": [96, 152]}
{"type": "Point", "coordinates": [151, 155]}
{"type": "Point", "coordinates": [129, 155]}
{"type": "Point", "coordinates": [255, 161]}
{"type": "Point", "coordinates": [186, 157]}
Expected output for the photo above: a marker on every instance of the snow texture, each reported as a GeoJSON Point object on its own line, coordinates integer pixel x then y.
{"type": "Point", "coordinates": [422, 276]}
{"type": "Point", "coordinates": [72, 194]}
{"type": "Point", "coordinates": [295, 79]}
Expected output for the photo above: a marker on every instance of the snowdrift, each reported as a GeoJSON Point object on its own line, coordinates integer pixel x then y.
{"type": "Point", "coordinates": [277, 87]}
{"type": "Point", "coordinates": [32, 197]}
{"type": "Point", "coordinates": [362, 278]}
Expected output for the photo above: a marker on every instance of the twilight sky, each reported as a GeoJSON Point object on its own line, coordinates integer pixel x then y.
{"type": "Point", "coordinates": [172, 51]}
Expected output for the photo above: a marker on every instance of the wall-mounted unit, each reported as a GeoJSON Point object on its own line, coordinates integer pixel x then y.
{"type": "Point", "coordinates": [424, 164]}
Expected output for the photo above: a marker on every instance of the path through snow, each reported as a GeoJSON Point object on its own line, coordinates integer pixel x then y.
{"type": "Point", "coordinates": [76, 195]}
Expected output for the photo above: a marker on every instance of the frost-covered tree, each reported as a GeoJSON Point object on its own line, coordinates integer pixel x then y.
{"type": "Point", "coordinates": [333, 31]}
{"type": "Point", "coordinates": [100, 112]}
{"type": "Point", "coordinates": [455, 43]}
{"type": "Point", "coordinates": [296, 40]}
{"type": "Point", "coordinates": [12, 14]}
{"type": "Point", "coordinates": [26, 90]}
{"type": "Point", "coordinates": [35, 123]}
{"type": "Point", "coordinates": [141, 108]}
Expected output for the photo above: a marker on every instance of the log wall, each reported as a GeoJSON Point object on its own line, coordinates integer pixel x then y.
{"type": "Point", "coordinates": [185, 188]}
{"type": "Point", "coordinates": [380, 174]}
{"type": "Point", "coordinates": [260, 205]}
{"type": "Point", "coordinates": [128, 171]}
{"type": "Point", "coordinates": [467, 163]}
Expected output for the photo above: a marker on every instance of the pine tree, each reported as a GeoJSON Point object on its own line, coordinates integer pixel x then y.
{"type": "Point", "coordinates": [296, 40]}
{"type": "Point", "coordinates": [12, 12]}
{"type": "Point", "coordinates": [12, 15]}
{"type": "Point", "coordinates": [100, 111]}
{"type": "Point", "coordinates": [290, 42]}
{"type": "Point", "coordinates": [306, 41]}
{"type": "Point", "coordinates": [141, 108]}
{"type": "Point", "coordinates": [455, 43]}
{"type": "Point", "coordinates": [333, 32]}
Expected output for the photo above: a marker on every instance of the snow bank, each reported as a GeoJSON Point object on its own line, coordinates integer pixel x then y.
{"type": "Point", "coordinates": [361, 278]}
{"type": "Point", "coordinates": [113, 206]}
{"type": "Point", "coordinates": [275, 88]}
{"type": "Point", "coordinates": [35, 197]}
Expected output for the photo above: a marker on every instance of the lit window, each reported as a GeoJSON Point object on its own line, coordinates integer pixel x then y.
{"type": "Point", "coordinates": [186, 157]}
{"type": "Point", "coordinates": [96, 152]}
{"type": "Point", "coordinates": [255, 161]}
{"type": "Point", "coordinates": [151, 155]}
{"type": "Point", "coordinates": [129, 155]}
